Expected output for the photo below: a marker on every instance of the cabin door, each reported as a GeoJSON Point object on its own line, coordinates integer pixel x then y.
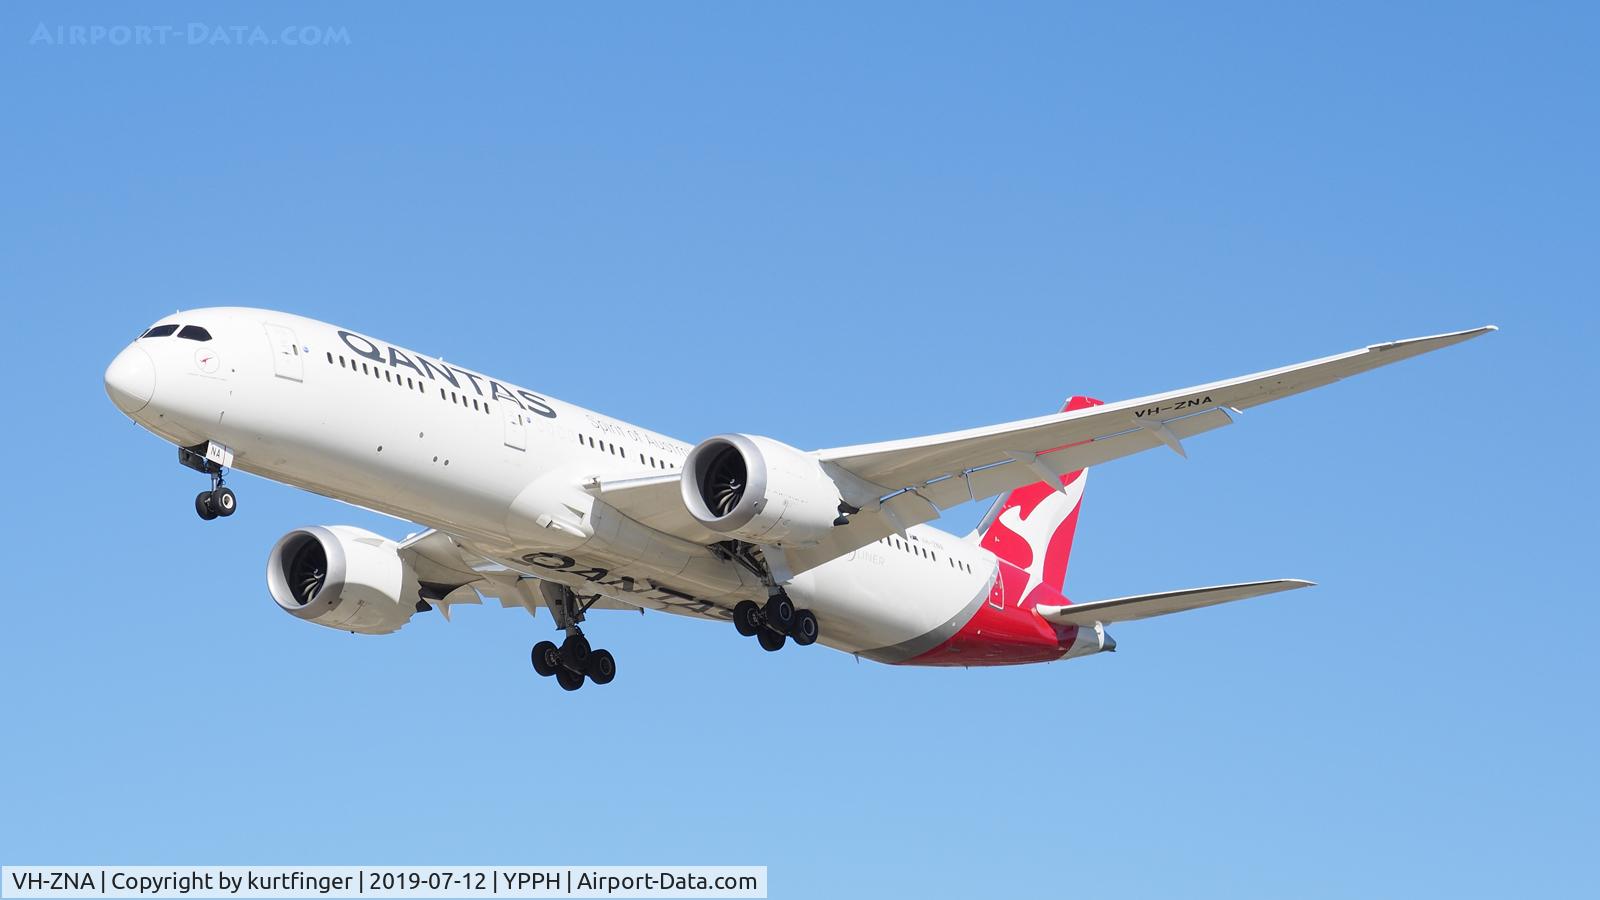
{"type": "Point", "coordinates": [286, 359]}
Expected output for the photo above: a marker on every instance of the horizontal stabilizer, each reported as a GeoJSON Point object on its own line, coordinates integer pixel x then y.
{"type": "Point", "coordinates": [1143, 606]}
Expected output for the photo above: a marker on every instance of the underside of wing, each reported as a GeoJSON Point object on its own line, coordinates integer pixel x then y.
{"type": "Point", "coordinates": [655, 501]}
{"type": "Point", "coordinates": [449, 573]}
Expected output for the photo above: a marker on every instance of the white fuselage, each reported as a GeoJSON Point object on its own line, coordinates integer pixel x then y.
{"type": "Point", "coordinates": [504, 470]}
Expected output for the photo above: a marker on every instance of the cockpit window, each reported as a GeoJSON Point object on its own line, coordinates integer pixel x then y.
{"type": "Point", "coordinates": [160, 331]}
{"type": "Point", "coordinates": [194, 333]}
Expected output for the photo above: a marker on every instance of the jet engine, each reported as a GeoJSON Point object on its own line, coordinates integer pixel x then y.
{"type": "Point", "coordinates": [759, 490]}
{"type": "Point", "coordinates": [342, 577]}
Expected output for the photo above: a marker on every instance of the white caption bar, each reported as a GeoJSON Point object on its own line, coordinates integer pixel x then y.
{"type": "Point", "coordinates": [202, 882]}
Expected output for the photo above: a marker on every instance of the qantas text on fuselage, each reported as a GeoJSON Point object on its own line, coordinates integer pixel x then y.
{"type": "Point", "coordinates": [541, 505]}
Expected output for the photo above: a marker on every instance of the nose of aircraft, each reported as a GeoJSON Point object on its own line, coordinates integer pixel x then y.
{"type": "Point", "coordinates": [131, 379]}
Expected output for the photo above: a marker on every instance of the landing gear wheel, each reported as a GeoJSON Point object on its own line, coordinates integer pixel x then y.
{"type": "Point", "coordinates": [747, 618]}
{"type": "Point", "coordinates": [546, 659]}
{"type": "Point", "coordinates": [223, 501]}
{"type": "Point", "coordinates": [771, 641]}
{"type": "Point", "coordinates": [203, 506]}
{"type": "Point", "coordinates": [805, 628]}
{"type": "Point", "coordinates": [574, 653]}
{"type": "Point", "coordinates": [569, 681]}
{"type": "Point", "coordinates": [601, 667]}
{"type": "Point", "coordinates": [780, 613]}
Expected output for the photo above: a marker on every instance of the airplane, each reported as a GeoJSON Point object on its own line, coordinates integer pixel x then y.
{"type": "Point", "coordinates": [537, 503]}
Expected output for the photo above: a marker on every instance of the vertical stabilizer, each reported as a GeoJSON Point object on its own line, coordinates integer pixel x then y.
{"type": "Point", "coordinates": [1032, 527]}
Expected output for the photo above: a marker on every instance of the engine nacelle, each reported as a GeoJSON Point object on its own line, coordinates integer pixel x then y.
{"type": "Point", "coordinates": [342, 577]}
{"type": "Point", "coordinates": [759, 490]}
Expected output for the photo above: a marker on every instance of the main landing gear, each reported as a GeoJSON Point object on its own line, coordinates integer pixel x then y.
{"type": "Point", "coordinates": [574, 661]}
{"type": "Point", "coordinates": [773, 624]}
{"type": "Point", "coordinates": [219, 501]}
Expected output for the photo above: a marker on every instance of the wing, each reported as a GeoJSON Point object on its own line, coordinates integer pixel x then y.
{"type": "Point", "coordinates": [920, 477]}
{"type": "Point", "coordinates": [897, 484]}
{"type": "Point", "coordinates": [1143, 606]}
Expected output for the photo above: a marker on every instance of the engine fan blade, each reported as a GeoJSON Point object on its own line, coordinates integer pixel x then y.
{"type": "Point", "coordinates": [727, 496]}
{"type": "Point", "coordinates": [309, 579]}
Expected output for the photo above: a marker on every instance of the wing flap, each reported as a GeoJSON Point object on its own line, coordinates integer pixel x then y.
{"type": "Point", "coordinates": [1127, 443]}
{"type": "Point", "coordinates": [1144, 606]}
{"type": "Point", "coordinates": [925, 502]}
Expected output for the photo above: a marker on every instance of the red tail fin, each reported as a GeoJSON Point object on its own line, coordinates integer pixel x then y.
{"type": "Point", "coordinates": [1033, 526]}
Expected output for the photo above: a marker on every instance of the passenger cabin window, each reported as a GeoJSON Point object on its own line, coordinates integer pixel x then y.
{"type": "Point", "coordinates": [194, 333]}
{"type": "Point", "coordinates": [160, 331]}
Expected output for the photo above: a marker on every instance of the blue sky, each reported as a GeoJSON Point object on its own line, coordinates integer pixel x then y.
{"type": "Point", "coordinates": [831, 225]}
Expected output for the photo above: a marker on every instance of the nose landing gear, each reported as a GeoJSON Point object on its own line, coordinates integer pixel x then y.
{"type": "Point", "coordinates": [773, 624]}
{"type": "Point", "coordinates": [219, 501]}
